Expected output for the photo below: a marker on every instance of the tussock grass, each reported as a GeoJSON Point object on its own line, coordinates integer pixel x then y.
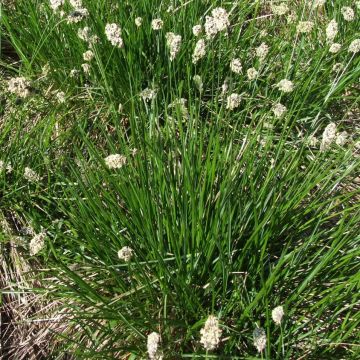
{"type": "Point", "coordinates": [227, 212]}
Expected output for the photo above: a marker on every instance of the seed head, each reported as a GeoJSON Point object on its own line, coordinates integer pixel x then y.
{"type": "Point", "coordinates": [199, 51]}
{"type": "Point", "coordinates": [210, 333]}
{"type": "Point", "coordinates": [233, 101]}
{"type": "Point", "coordinates": [157, 24]}
{"type": "Point", "coordinates": [115, 161]}
{"type": "Point", "coordinates": [125, 253]}
{"type": "Point", "coordinates": [153, 341]}
{"type": "Point", "coordinates": [197, 30]}
{"type": "Point", "coordinates": [354, 46]}
{"type": "Point", "coordinates": [259, 337]}
{"type": "Point", "coordinates": [235, 66]}
{"type": "Point", "coordinates": [279, 110]}
{"type": "Point", "coordinates": [334, 48]}
{"type": "Point", "coordinates": [285, 86]}
{"type": "Point", "coordinates": [113, 34]}
{"type": "Point", "coordinates": [348, 13]}
{"type": "Point", "coordinates": [277, 314]}
{"type": "Point", "coordinates": [305, 26]}
{"type": "Point", "coordinates": [173, 42]}
{"type": "Point", "coordinates": [252, 73]}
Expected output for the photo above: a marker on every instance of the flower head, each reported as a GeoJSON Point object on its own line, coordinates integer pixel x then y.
{"type": "Point", "coordinates": [125, 253]}
{"type": "Point", "coordinates": [331, 30]}
{"type": "Point", "coordinates": [277, 314]}
{"type": "Point", "coordinates": [305, 26]}
{"type": "Point", "coordinates": [197, 30]}
{"type": "Point", "coordinates": [153, 341]}
{"type": "Point", "coordinates": [157, 24]}
{"type": "Point", "coordinates": [211, 333]}
{"type": "Point", "coordinates": [280, 9]}
{"type": "Point", "coordinates": [148, 94]}
{"type": "Point", "coordinates": [334, 48]}
{"type": "Point", "coordinates": [113, 34]}
{"type": "Point", "coordinates": [235, 66]}
{"type": "Point", "coordinates": [233, 101]}
{"type": "Point", "coordinates": [115, 161]}
{"type": "Point", "coordinates": [5, 166]}
{"type": "Point", "coordinates": [173, 41]}
{"type": "Point", "coordinates": [138, 21]}
{"type": "Point", "coordinates": [285, 86]}
{"type": "Point", "coordinates": [31, 175]}
{"type": "Point", "coordinates": [354, 47]}
{"type": "Point", "coordinates": [56, 4]}
{"type": "Point", "coordinates": [252, 73]}
{"type": "Point", "coordinates": [328, 136]}
{"type": "Point", "coordinates": [348, 13]}
{"type": "Point", "coordinates": [219, 21]}
{"type": "Point", "coordinates": [37, 243]}
{"type": "Point", "coordinates": [77, 15]}
{"type": "Point", "coordinates": [279, 110]}
{"type": "Point", "coordinates": [259, 337]}
{"type": "Point", "coordinates": [88, 55]}
{"type": "Point", "coordinates": [199, 51]}
{"type": "Point", "coordinates": [262, 51]}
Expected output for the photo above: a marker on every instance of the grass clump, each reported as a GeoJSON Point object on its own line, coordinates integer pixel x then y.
{"type": "Point", "coordinates": [184, 192]}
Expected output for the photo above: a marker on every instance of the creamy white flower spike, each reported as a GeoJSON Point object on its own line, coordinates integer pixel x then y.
{"type": "Point", "coordinates": [31, 175]}
{"type": "Point", "coordinates": [77, 15]}
{"type": "Point", "coordinates": [328, 136]}
{"type": "Point", "coordinates": [115, 161]}
{"type": "Point", "coordinates": [157, 24]}
{"type": "Point", "coordinates": [285, 86]}
{"type": "Point", "coordinates": [138, 21]}
{"type": "Point", "coordinates": [197, 30]}
{"type": "Point", "coordinates": [279, 110]}
{"type": "Point", "coordinates": [354, 47]}
{"type": "Point", "coordinates": [19, 86]}
{"type": "Point", "coordinates": [199, 51]}
{"type": "Point", "coordinates": [173, 41]}
{"type": "Point", "coordinates": [211, 334]}
{"type": "Point", "coordinates": [347, 13]}
{"type": "Point", "coordinates": [235, 66]}
{"type": "Point", "coordinates": [341, 138]}
{"type": "Point", "coordinates": [60, 96]}
{"type": "Point", "coordinates": [259, 337]}
{"type": "Point", "coordinates": [277, 314]}
{"type": "Point", "coordinates": [331, 30]}
{"type": "Point", "coordinates": [304, 27]}
{"type": "Point", "coordinates": [233, 101]}
{"type": "Point", "coordinates": [125, 253]}
{"type": "Point", "coordinates": [335, 48]}
{"type": "Point", "coordinates": [56, 4]}
{"type": "Point", "coordinates": [148, 94]}
{"type": "Point", "coordinates": [5, 167]}
{"type": "Point", "coordinates": [252, 73]}
{"type": "Point", "coordinates": [76, 3]}
{"type": "Point", "coordinates": [88, 55]}
{"type": "Point", "coordinates": [262, 51]}
{"type": "Point", "coordinates": [280, 9]}
{"type": "Point", "coordinates": [153, 341]}
{"type": "Point", "coordinates": [86, 68]}
{"type": "Point", "coordinates": [37, 243]}
{"type": "Point", "coordinates": [219, 21]}
{"type": "Point", "coordinates": [113, 34]}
